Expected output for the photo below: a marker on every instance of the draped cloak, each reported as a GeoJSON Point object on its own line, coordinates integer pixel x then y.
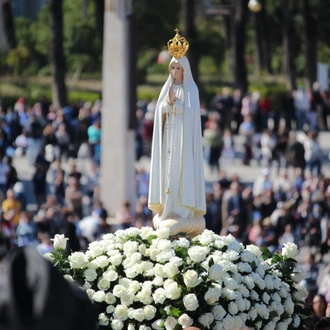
{"type": "Point", "coordinates": [186, 171]}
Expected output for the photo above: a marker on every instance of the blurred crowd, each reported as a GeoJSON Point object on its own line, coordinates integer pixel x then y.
{"type": "Point", "coordinates": [288, 202]}
{"type": "Point", "coordinates": [67, 199]}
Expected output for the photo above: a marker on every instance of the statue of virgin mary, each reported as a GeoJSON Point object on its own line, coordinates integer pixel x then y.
{"type": "Point", "coordinates": [177, 185]}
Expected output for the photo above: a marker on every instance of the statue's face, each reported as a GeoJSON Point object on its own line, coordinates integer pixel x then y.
{"type": "Point", "coordinates": [176, 71]}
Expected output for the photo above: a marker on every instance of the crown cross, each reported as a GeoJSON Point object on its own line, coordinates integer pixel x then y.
{"type": "Point", "coordinates": [178, 46]}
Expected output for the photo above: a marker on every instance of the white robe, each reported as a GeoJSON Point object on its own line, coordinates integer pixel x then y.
{"type": "Point", "coordinates": [185, 175]}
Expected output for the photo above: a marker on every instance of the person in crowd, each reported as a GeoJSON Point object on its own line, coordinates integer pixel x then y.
{"type": "Point", "coordinates": [11, 208]}
{"type": "Point", "coordinates": [302, 104]}
{"type": "Point", "coordinates": [310, 281]}
{"type": "Point", "coordinates": [26, 230]}
{"type": "Point", "coordinates": [247, 130]}
{"type": "Point", "coordinates": [41, 166]}
{"type": "Point", "coordinates": [124, 216]}
{"type": "Point", "coordinates": [74, 197]}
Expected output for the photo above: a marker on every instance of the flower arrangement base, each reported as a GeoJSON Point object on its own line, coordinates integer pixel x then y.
{"type": "Point", "coordinates": [190, 227]}
{"type": "Point", "coordinates": [144, 279]}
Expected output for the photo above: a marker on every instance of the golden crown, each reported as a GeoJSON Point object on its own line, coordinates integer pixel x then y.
{"type": "Point", "coordinates": [178, 46]}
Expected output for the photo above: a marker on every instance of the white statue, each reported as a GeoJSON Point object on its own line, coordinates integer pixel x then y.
{"type": "Point", "coordinates": [177, 185]}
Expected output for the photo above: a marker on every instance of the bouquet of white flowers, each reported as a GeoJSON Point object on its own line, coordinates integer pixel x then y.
{"type": "Point", "coordinates": [141, 279]}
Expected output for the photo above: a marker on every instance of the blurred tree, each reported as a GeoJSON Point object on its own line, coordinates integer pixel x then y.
{"type": "Point", "coordinates": [8, 24]}
{"type": "Point", "coordinates": [262, 40]}
{"type": "Point", "coordinates": [288, 36]}
{"type": "Point", "coordinates": [57, 58]}
{"type": "Point", "coordinates": [311, 37]}
{"type": "Point", "coordinates": [238, 45]}
{"type": "Point", "coordinates": [190, 33]}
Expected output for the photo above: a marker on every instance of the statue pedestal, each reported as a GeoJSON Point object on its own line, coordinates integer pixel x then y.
{"type": "Point", "coordinates": [190, 227]}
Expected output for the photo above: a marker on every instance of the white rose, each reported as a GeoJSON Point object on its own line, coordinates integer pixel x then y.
{"type": "Point", "coordinates": [130, 247]}
{"type": "Point", "coordinates": [281, 326]}
{"type": "Point", "coordinates": [93, 264]}
{"type": "Point", "coordinates": [229, 294]}
{"type": "Point", "coordinates": [127, 299]}
{"type": "Point", "coordinates": [158, 281]}
{"type": "Point", "coordinates": [238, 323]}
{"type": "Point", "coordinates": [243, 290]}
{"type": "Point", "coordinates": [243, 317]}
{"type": "Point", "coordinates": [244, 267]}
{"type": "Point", "coordinates": [190, 278]}
{"type": "Point", "coordinates": [86, 286]}
{"type": "Point", "coordinates": [145, 232]}
{"type": "Point", "coordinates": [290, 250]}
{"type": "Point", "coordinates": [254, 250]}
{"type": "Point", "coordinates": [116, 259]}
{"type": "Point", "coordinates": [138, 314]}
{"type": "Point", "coordinates": [132, 231]}
{"type": "Point", "coordinates": [165, 255]}
{"type": "Point", "coordinates": [103, 319]}
{"type": "Point", "coordinates": [247, 304]}
{"type": "Point", "coordinates": [119, 290]}
{"type": "Point", "coordinates": [247, 256]}
{"type": "Point", "coordinates": [183, 242]}
{"type": "Point", "coordinates": [77, 260]}
{"type": "Point", "coordinates": [110, 299]}
{"type": "Point", "coordinates": [103, 284]}
{"type": "Point", "coordinates": [149, 312]}
{"type": "Point", "coordinates": [218, 312]}
{"type": "Point", "coordinates": [170, 323]}
{"type": "Point", "coordinates": [252, 314]}
{"type": "Point", "coordinates": [212, 295]}
{"type": "Point", "coordinates": [197, 253]}
{"type": "Point", "coordinates": [159, 296]}
{"type": "Point", "coordinates": [159, 271]}
{"type": "Point", "coordinates": [276, 297]}
{"type": "Point", "coordinates": [90, 275]}
{"type": "Point", "coordinates": [289, 306]}
{"type": "Point", "coordinates": [59, 242]}
{"type": "Point", "coordinates": [265, 298]}
{"type": "Point", "coordinates": [110, 275]}
{"type": "Point", "coordinates": [230, 283]}
{"type": "Point", "coordinates": [190, 302]}
{"type": "Point", "coordinates": [121, 312]}
{"type": "Point", "coordinates": [158, 325]}
{"type": "Point", "coordinates": [99, 296]}
{"type": "Point", "coordinates": [283, 293]}
{"type": "Point", "coordinates": [231, 255]}
{"type": "Point", "coordinates": [216, 272]}
{"type": "Point", "coordinates": [260, 270]}
{"type": "Point", "coordinates": [171, 269]}
{"type": "Point", "coordinates": [296, 321]}
{"type": "Point", "coordinates": [258, 280]}
{"type": "Point", "coordinates": [95, 249]}
{"type": "Point", "coordinates": [131, 327]}
{"type": "Point", "coordinates": [117, 325]}
{"type": "Point", "coordinates": [164, 244]}
{"type": "Point", "coordinates": [134, 286]}
{"type": "Point", "coordinates": [298, 275]}
{"type": "Point", "coordinates": [102, 261]}
{"type": "Point", "coordinates": [232, 308]}
{"type": "Point", "coordinates": [206, 319]}
{"type": "Point", "coordinates": [248, 281]}
{"type": "Point", "coordinates": [68, 278]}
{"type": "Point", "coordinates": [270, 325]}
{"type": "Point", "coordinates": [185, 321]}
{"type": "Point", "coordinates": [300, 293]}
{"type": "Point", "coordinates": [172, 290]}
{"type": "Point", "coordinates": [240, 304]}
{"type": "Point", "coordinates": [258, 325]}
{"type": "Point", "coordinates": [163, 233]}
{"type": "Point", "coordinates": [90, 293]}
{"type": "Point", "coordinates": [110, 309]}
{"type": "Point", "coordinates": [206, 237]}
{"type": "Point", "coordinates": [269, 282]}
{"type": "Point", "coordinates": [228, 323]}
